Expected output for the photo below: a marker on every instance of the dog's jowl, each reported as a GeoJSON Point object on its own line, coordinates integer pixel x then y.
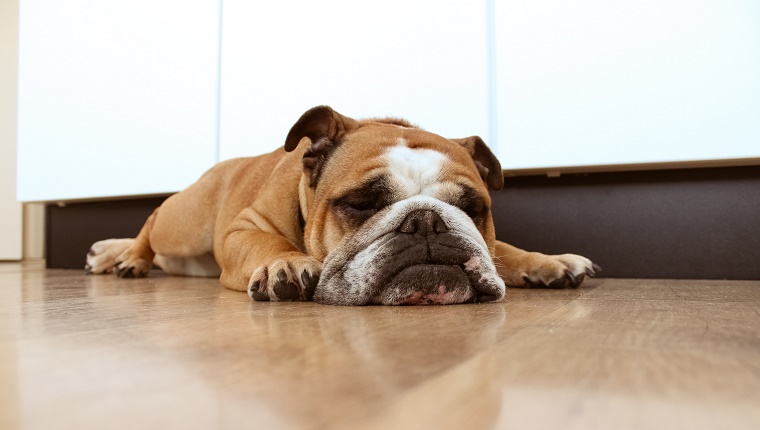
{"type": "Point", "coordinates": [347, 212]}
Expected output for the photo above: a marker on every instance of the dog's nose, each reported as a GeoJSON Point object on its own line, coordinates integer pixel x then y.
{"type": "Point", "coordinates": [424, 222]}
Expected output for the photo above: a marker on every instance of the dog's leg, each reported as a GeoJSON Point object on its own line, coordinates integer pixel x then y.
{"type": "Point", "coordinates": [201, 265]}
{"type": "Point", "coordinates": [137, 260]}
{"type": "Point", "coordinates": [525, 269]}
{"type": "Point", "coordinates": [268, 266]}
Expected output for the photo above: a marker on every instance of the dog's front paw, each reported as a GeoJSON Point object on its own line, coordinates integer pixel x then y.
{"type": "Point", "coordinates": [553, 271]}
{"type": "Point", "coordinates": [286, 279]}
{"type": "Point", "coordinates": [131, 265]}
{"type": "Point", "coordinates": [102, 255]}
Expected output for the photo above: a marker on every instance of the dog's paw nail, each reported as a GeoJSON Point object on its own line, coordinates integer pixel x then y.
{"type": "Point", "coordinates": [256, 294]}
{"type": "Point", "coordinates": [309, 283]}
{"type": "Point", "coordinates": [282, 277]}
{"type": "Point", "coordinates": [574, 280]}
{"type": "Point", "coordinates": [595, 268]}
{"type": "Point", "coordinates": [285, 291]}
{"type": "Point", "coordinates": [569, 275]}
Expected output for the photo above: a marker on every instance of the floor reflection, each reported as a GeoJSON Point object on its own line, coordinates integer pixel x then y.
{"type": "Point", "coordinates": [349, 362]}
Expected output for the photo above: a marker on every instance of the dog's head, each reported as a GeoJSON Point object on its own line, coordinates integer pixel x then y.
{"type": "Point", "coordinates": [398, 215]}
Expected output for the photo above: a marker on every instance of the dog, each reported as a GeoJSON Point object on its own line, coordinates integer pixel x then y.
{"type": "Point", "coordinates": [347, 212]}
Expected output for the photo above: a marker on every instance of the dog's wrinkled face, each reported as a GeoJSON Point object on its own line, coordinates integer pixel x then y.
{"type": "Point", "coordinates": [399, 216]}
{"type": "Point", "coordinates": [419, 250]}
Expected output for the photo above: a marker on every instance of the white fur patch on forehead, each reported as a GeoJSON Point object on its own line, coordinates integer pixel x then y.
{"type": "Point", "coordinates": [414, 171]}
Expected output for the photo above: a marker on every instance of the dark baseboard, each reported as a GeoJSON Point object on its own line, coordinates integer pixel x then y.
{"type": "Point", "coordinates": [688, 224]}
{"type": "Point", "coordinates": [72, 228]}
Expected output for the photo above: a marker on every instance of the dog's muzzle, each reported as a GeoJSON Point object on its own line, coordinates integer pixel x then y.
{"type": "Point", "coordinates": [426, 264]}
{"type": "Point", "coordinates": [430, 254]}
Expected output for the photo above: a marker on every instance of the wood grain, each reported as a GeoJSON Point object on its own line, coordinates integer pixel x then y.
{"type": "Point", "coordinates": [166, 352]}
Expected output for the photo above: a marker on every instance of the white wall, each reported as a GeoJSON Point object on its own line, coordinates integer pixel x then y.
{"type": "Point", "coordinates": [34, 231]}
{"type": "Point", "coordinates": [116, 97]}
{"type": "Point", "coordinates": [599, 82]}
{"type": "Point", "coordinates": [122, 97]}
{"type": "Point", "coordinates": [421, 60]}
{"type": "Point", "coordinates": [10, 210]}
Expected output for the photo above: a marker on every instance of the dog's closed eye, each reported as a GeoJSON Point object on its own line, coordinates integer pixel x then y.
{"type": "Point", "coordinates": [472, 204]}
{"type": "Point", "coordinates": [361, 203]}
{"type": "Point", "coordinates": [358, 208]}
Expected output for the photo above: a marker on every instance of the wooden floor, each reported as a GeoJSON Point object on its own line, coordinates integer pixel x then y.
{"type": "Point", "coordinates": [94, 352]}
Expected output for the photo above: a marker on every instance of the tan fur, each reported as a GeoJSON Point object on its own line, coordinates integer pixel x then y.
{"type": "Point", "coordinates": [245, 212]}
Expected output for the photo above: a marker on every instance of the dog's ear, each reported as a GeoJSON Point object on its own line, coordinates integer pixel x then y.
{"type": "Point", "coordinates": [324, 128]}
{"type": "Point", "coordinates": [487, 163]}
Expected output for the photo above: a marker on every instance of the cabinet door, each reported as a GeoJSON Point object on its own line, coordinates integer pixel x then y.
{"type": "Point", "coordinates": [422, 60]}
{"type": "Point", "coordinates": [609, 83]}
{"type": "Point", "coordinates": [116, 97]}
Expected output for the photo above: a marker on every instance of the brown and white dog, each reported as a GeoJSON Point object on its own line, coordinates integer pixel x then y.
{"type": "Point", "coordinates": [348, 212]}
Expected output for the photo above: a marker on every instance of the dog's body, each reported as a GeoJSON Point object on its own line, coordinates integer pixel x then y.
{"type": "Point", "coordinates": [348, 212]}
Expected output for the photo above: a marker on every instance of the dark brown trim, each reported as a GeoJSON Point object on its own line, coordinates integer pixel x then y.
{"type": "Point", "coordinates": [690, 223]}
{"type": "Point", "coordinates": [72, 228]}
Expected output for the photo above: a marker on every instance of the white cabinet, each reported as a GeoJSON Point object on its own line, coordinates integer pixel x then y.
{"type": "Point", "coordinates": [139, 97]}
{"type": "Point", "coordinates": [604, 83]}
{"type": "Point", "coordinates": [422, 60]}
{"type": "Point", "coordinates": [122, 98]}
{"type": "Point", "coordinates": [116, 97]}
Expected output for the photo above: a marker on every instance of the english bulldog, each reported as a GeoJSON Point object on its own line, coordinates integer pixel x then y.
{"type": "Point", "coordinates": [347, 212]}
